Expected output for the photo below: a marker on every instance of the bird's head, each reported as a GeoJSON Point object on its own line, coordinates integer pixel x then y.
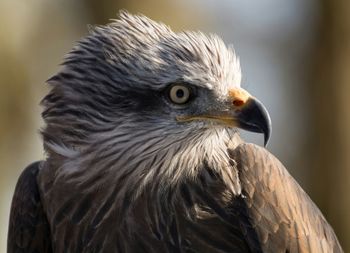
{"type": "Point", "coordinates": [136, 82]}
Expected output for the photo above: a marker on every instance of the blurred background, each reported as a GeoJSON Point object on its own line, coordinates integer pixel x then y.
{"type": "Point", "coordinates": [295, 57]}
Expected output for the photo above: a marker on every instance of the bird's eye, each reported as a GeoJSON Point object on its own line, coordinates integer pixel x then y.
{"type": "Point", "coordinates": [179, 94]}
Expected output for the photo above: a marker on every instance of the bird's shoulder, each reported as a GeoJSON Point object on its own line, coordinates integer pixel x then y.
{"type": "Point", "coordinates": [28, 226]}
{"type": "Point", "coordinates": [283, 215]}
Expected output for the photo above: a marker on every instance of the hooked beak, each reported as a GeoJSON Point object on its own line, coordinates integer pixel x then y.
{"type": "Point", "coordinates": [254, 117]}
{"type": "Point", "coordinates": [245, 112]}
{"type": "Point", "coordinates": [249, 113]}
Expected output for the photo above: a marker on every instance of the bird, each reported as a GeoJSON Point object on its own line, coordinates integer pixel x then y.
{"type": "Point", "coordinates": [143, 154]}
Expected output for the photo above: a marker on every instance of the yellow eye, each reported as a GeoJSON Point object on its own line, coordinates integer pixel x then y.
{"type": "Point", "coordinates": [179, 94]}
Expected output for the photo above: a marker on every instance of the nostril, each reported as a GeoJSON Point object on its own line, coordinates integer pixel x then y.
{"type": "Point", "coordinates": [238, 102]}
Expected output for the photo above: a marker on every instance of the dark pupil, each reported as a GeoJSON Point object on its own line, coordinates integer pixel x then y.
{"type": "Point", "coordinates": [180, 93]}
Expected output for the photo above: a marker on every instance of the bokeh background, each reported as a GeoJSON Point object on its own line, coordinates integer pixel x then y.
{"type": "Point", "coordinates": [295, 56]}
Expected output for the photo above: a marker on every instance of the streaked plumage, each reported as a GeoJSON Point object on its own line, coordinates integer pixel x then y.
{"type": "Point", "coordinates": [127, 170]}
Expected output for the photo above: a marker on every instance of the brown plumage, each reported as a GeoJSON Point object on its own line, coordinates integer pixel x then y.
{"type": "Point", "coordinates": [143, 155]}
{"type": "Point", "coordinates": [285, 218]}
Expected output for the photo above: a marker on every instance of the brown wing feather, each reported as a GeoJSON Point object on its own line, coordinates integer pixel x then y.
{"type": "Point", "coordinates": [28, 229]}
{"type": "Point", "coordinates": [285, 218]}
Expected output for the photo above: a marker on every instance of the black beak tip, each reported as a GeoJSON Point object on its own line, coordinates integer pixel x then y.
{"type": "Point", "coordinates": [266, 128]}
{"type": "Point", "coordinates": [266, 125]}
{"type": "Point", "coordinates": [254, 117]}
{"type": "Point", "coordinates": [267, 136]}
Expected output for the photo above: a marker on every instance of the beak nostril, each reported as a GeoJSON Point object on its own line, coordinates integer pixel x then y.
{"type": "Point", "coordinates": [238, 102]}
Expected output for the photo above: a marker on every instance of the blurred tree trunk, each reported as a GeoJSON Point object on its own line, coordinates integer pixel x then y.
{"type": "Point", "coordinates": [330, 93]}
